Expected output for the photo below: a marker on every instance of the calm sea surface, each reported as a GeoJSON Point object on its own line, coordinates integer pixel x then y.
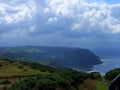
{"type": "Point", "coordinates": [108, 64]}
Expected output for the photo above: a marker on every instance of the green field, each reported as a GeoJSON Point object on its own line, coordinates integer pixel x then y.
{"type": "Point", "coordinates": [102, 84]}
{"type": "Point", "coordinates": [15, 68]}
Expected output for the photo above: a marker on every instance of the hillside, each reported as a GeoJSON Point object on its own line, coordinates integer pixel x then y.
{"type": "Point", "coordinates": [15, 75]}
{"type": "Point", "coordinates": [59, 57]}
{"type": "Point", "coordinates": [12, 68]}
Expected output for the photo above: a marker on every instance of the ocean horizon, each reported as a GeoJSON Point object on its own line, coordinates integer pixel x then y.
{"type": "Point", "coordinates": [108, 64]}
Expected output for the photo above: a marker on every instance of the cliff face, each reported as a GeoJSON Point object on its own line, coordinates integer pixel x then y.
{"type": "Point", "coordinates": [59, 57]}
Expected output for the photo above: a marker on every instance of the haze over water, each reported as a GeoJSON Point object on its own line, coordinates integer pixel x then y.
{"type": "Point", "coordinates": [108, 64]}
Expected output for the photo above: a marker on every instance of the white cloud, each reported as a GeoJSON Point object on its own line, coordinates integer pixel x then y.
{"type": "Point", "coordinates": [46, 10]}
{"type": "Point", "coordinates": [2, 8]}
{"type": "Point", "coordinates": [84, 14]}
{"type": "Point", "coordinates": [63, 7]}
{"type": "Point", "coordinates": [79, 12]}
{"type": "Point", "coordinates": [72, 22]}
{"type": "Point", "coordinates": [76, 26]}
{"type": "Point", "coordinates": [32, 28]}
{"type": "Point", "coordinates": [15, 13]}
{"type": "Point", "coordinates": [52, 20]}
{"type": "Point", "coordinates": [8, 19]}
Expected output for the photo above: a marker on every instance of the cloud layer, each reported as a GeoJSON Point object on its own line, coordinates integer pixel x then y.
{"type": "Point", "coordinates": [59, 22]}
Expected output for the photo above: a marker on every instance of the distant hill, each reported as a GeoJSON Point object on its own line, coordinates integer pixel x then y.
{"type": "Point", "coordinates": [59, 57]}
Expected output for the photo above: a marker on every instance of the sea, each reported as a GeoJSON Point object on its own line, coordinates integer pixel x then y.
{"type": "Point", "coordinates": [108, 64]}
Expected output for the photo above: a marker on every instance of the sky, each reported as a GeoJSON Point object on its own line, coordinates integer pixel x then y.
{"type": "Point", "coordinates": [71, 23]}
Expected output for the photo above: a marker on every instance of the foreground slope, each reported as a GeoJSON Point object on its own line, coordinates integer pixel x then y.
{"type": "Point", "coordinates": [14, 68]}
{"type": "Point", "coordinates": [45, 78]}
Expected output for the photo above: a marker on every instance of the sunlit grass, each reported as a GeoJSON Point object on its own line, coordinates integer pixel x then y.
{"type": "Point", "coordinates": [17, 69]}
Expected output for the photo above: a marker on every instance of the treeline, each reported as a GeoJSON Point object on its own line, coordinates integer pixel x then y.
{"type": "Point", "coordinates": [60, 80]}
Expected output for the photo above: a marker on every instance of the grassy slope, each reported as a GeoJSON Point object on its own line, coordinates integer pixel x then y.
{"type": "Point", "coordinates": [91, 84]}
{"type": "Point", "coordinates": [102, 84]}
{"type": "Point", "coordinates": [15, 68]}
{"type": "Point", "coordinates": [9, 68]}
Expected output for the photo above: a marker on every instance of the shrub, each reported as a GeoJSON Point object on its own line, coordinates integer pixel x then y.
{"type": "Point", "coordinates": [26, 84]}
{"type": "Point", "coordinates": [5, 82]}
{"type": "Point", "coordinates": [60, 79]}
{"type": "Point", "coordinates": [110, 75]}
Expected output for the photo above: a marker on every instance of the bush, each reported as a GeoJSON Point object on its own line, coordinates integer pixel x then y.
{"type": "Point", "coordinates": [45, 84]}
{"type": "Point", "coordinates": [20, 67]}
{"type": "Point", "coordinates": [110, 75]}
{"type": "Point", "coordinates": [5, 82]}
{"type": "Point", "coordinates": [26, 84]}
{"type": "Point", "coordinates": [74, 77]}
{"type": "Point", "coordinates": [61, 79]}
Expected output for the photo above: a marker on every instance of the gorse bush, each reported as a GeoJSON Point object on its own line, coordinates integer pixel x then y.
{"type": "Point", "coordinates": [61, 79]}
{"type": "Point", "coordinates": [26, 84]}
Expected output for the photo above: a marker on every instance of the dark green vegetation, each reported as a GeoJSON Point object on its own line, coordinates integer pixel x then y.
{"type": "Point", "coordinates": [46, 78]}
{"type": "Point", "coordinates": [59, 57]}
{"type": "Point", "coordinates": [63, 80]}
{"type": "Point", "coordinates": [32, 76]}
{"type": "Point", "coordinates": [110, 75]}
